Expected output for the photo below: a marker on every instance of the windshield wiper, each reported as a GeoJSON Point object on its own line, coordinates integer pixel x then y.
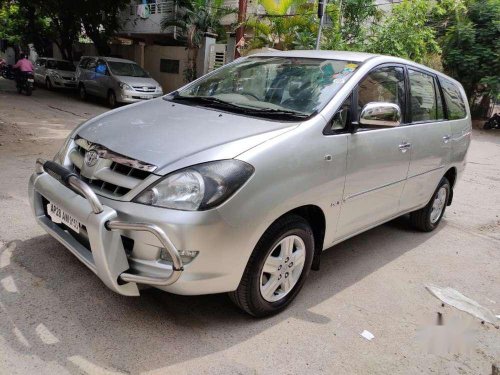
{"type": "Point", "coordinates": [249, 110]}
{"type": "Point", "coordinates": [277, 112]}
{"type": "Point", "coordinates": [206, 100]}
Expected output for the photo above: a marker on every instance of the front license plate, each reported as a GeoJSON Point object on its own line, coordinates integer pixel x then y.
{"type": "Point", "coordinates": [31, 80]}
{"type": "Point", "coordinates": [146, 97]}
{"type": "Point", "coordinates": [58, 216]}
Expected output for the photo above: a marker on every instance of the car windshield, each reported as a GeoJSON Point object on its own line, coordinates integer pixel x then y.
{"type": "Point", "coordinates": [271, 85]}
{"type": "Point", "coordinates": [61, 65]}
{"type": "Point", "coordinates": [127, 69]}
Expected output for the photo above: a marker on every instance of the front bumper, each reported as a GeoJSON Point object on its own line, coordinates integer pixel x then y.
{"type": "Point", "coordinates": [128, 96]}
{"type": "Point", "coordinates": [223, 250]}
{"type": "Point", "coordinates": [107, 257]}
{"type": "Point", "coordinates": [64, 83]}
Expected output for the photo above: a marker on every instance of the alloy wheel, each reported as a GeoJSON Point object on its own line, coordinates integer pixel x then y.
{"type": "Point", "coordinates": [282, 268]}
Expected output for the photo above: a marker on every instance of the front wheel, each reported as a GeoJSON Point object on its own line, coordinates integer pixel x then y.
{"type": "Point", "coordinates": [111, 99]}
{"type": "Point", "coordinates": [48, 84]}
{"type": "Point", "coordinates": [428, 218]}
{"type": "Point", "coordinates": [82, 92]}
{"type": "Point", "coordinates": [277, 269]}
{"type": "Point", "coordinates": [29, 91]}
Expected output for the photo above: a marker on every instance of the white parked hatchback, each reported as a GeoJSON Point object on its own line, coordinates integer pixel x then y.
{"type": "Point", "coordinates": [238, 181]}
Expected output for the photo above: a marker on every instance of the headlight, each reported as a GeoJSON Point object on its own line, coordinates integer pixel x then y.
{"type": "Point", "coordinates": [63, 151]}
{"type": "Point", "coordinates": [199, 187]}
{"type": "Point", "coordinates": [159, 89]}
{"type": "Point", "coordinates": [124, 86]}
{"type": "Point", "coordinates": [56, 75]}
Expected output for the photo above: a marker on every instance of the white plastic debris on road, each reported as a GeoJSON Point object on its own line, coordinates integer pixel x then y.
{"type": "Point", "coordinates": [456, 299]}
{"type": "Point", "coordinates": [367, 335]}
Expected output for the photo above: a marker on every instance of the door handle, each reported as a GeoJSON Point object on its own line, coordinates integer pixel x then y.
{"type": "Point", "coordinates": [403, 147]}
{"type": "Point", "coordinates": [446, 138]}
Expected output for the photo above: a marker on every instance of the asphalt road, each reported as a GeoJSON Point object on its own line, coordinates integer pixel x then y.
{"type": "Point", "coordinates": [56, 317]}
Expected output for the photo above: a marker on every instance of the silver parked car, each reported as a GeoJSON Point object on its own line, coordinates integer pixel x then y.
{"type": "Point", "coordinates": [239, 180]}
{"type": "Point", "coordinates": [117, 80]}
{"type": "Point", "coordinates": [55, 73]}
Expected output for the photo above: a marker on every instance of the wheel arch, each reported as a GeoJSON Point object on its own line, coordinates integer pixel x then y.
{"type": "Point", "coordinates": [451, 176]}
{"type": "Point", "coordinates": [315, 216]}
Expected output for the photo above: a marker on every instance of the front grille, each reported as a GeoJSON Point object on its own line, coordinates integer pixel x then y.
{"type": "Point", "coordinates": [114, 178]}
{"type": "Point", "coordinates": [144, 88]}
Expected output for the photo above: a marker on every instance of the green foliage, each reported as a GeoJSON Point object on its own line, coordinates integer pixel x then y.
{"type": "Point", "coordinates": [195, 19]}
{"type": "Point", "coordinates": [471, 47]}
{"type": "Point", "coordinates": [283, 19]}
{"type": "Point", "coordinates": [405, 32]}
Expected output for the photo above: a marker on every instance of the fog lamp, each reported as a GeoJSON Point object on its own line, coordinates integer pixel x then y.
{"type": "Point", "coordinates": [187, 256]}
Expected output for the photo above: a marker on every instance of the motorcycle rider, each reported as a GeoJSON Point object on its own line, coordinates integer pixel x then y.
{"type": "Point", "coordinates": [24, 66]}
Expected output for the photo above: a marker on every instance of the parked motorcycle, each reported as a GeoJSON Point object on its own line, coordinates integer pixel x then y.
{"type": "Point", "coordinates": [7, 72]}
{"type": "Point", "coordinates": [25, 82]}
{"type": "Point", "coordinates": [493, 122]}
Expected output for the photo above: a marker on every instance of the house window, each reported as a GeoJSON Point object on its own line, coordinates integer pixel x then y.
{"type": "Point", "coordinates": [169, 66]}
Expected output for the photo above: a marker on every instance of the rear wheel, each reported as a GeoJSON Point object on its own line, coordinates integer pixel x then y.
{"type": "Point", "coordinates": [428, 218]}
{"type": "Point", "coordinates": [111, 99]}
{"type": "Point", "coordinates": [82, 92]}
{"type": "Point", "coordinates": [29, 91]}
{"type": "Point", "coordinates": [277, 269]}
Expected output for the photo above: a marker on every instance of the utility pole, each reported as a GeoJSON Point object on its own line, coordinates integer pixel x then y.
{"type": "Point", "coordinates": [321, 15]}
{"type": "Point", "coordinates": [240, 31]}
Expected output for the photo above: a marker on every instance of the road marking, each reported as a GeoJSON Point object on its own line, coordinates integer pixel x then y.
{"type": "Point", "coordinates": [9, 285]}
{"type": "Point", "coordinates": [91, 368]}
{"type": "Point", "coordinates": [45, 335]}
{"type": "Point", "coordinates": [21, 337]}
{"type": "Point", "coordinates": [7, 253]}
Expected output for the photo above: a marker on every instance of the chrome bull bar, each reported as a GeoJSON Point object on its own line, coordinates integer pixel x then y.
{"type": "Point", "coordinates": [72, 181]}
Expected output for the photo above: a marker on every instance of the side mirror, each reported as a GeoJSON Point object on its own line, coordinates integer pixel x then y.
{"type": "Point", "coordinates": [380, 114]}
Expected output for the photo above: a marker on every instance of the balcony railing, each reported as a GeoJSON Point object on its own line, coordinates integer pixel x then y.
{"type": "Point", "coordinates": [163, 7]}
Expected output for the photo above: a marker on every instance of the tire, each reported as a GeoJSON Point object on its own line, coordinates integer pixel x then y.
{"type": "Point", "coordinates": [111, 99]}
{"type": "Point", "coordinates": [82, 92]}
{"type": "Point", "coordinates": [250, 296]}
{"type": "Point", "coordinates": [426, 219]}
{"type": "Point", "coordinates": [48, 84]}
{"type": "Point", "coordinates": [29, 91]}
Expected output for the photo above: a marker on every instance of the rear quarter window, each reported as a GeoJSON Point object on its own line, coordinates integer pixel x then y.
{"type": "Point", "coordinates": [454, 101]}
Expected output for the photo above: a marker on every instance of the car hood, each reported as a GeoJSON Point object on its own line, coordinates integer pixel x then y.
{"type": "Point", "coordinates": [164, 133]}
{"type": "Point", "coordinates": [137, 81]}
{"type": "Point", "coordinates": [65, 73]}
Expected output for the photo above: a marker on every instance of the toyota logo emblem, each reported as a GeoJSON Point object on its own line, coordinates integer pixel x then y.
{"type": "Point", "coordinates": [91, 158]}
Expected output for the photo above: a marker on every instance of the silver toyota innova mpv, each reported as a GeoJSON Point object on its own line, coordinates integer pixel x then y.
{"type": "Point", "coordinates": [239, 180]}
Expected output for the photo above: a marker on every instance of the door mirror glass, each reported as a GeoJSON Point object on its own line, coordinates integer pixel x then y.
{"type": "Point", "coordinates": [380, 114]}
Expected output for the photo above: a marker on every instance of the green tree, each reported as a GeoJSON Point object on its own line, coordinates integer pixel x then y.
{"type": "Point", "coordinates": [195, 19]}
{"type": "Point", "coordinates": [100, 20]}
{"type": "Point", "coordinates": [282, 19]}
{"type": "Point", "coordinates": [405, 33]}
{"type": "Point", "coordinates": [470, 40]}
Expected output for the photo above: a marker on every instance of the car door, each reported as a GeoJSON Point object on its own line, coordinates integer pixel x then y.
{"type": "Point", "coordinates": [90, 77]}
{"type": "Point", "coordinates": [430, 138]}
{"type": "Point", "coordinates": [377, 158]}
{"type": "Point", "coordinates": [102, 78]}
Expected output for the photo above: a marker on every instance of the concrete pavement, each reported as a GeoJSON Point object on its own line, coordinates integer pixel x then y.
{"type": "Point", "coordinates": [56, 317]}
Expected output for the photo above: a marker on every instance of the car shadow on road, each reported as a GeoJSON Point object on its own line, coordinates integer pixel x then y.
{"type": "Point", "coordinates": [55, 308]}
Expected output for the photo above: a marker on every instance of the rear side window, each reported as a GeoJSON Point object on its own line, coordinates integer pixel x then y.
{"type": "Point", "coordinates": [425, 100]}
{"type": "Point", "coordinates": [454, 100]}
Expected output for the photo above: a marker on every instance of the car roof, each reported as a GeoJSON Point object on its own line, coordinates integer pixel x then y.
{"type": "Point", "coordinates": [351, 56]}
{"type": "Point", "coordinates": [52, 59]}
{"type": "Point", "coordinates": [105, 58]}
{"type": "Point", "coordinates": [320, 54]}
